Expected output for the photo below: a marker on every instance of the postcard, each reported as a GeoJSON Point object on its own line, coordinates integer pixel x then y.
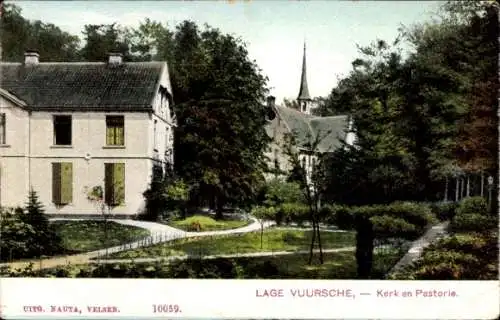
{"type": "Point", "coordinates": [249, 160]}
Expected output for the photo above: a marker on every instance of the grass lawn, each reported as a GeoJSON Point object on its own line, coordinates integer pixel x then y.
{"type": "Point", "coordinates": [341, 265]}
{"type": "Point", "coordinates": [273, 240]}
{"type": "Point", "coordinates": [83, 236]}
{"type": "Point", "coordinates": [207, 223]}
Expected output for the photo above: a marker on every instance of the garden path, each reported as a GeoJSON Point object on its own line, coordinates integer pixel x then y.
{"type": "Point", "coordinates": [433, 234]}
{"type": "Point", "coordinates": [159, 233]}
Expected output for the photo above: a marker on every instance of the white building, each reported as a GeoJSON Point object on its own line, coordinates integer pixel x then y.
{"type": "Point", "coordinates": [68, 127]}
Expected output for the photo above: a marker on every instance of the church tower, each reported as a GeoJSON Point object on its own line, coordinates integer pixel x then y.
{"type": "Point", "coordinates": [304, 99]}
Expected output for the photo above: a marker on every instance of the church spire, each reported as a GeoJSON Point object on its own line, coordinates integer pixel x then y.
{"type": "Point", "coordinates": [304, 90]}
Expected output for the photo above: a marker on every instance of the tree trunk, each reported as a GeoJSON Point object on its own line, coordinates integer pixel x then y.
{"type": "Point", "coordinates": [318, 231]}
{"type": "Point", "coordinates": [219, 208]}
{"type": "Point", "coordinates": [467, 193]}
{"type": "Point", "coordinates": [482, 184]}
{"type": "Point", "coordinates": [446, 190]}
{"type": "Point", "coordinates": [313, 239]}
{"type": "Point", "coordinates": [364, 247]}
{"type": "Point", "coordinates": [462, 190]}
{"type": "Point", "coordinates": [457, 187]}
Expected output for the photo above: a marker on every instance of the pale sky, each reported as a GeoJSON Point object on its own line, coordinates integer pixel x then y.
{"type": "Point", "coordinates": [273, 30]}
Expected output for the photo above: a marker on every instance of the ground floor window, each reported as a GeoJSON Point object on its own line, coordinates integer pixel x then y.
{"type": "Point", "coordinates": [114, 183]}
{"type": "Point", "coordinates": [62, 183]}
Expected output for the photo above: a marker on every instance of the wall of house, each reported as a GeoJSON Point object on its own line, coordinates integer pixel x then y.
{"type": "Point", "coordinates": [14, 162]}
{"type": "Point", "coordinates": [88, 153]}
{"type": "Point", "coordinates": [162, 140]}
{"type": "Point", "coordinates": [88, 174]}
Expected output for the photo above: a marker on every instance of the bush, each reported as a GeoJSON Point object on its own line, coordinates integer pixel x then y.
{"type": "Point", "coordinates": [472, 222]}
{"type": "Point", "coordinates": [473, 205]}
{"type": "Point", "coordinates": [444, 211]}
{"type": "Point", "coordinates": [294, 212]}
{"type": "Point", "coordinates": [266, 213]}
{"type": "Point", "coordinates": [342, 217]}
{"type": "Point", "coordinates": [27, 233]}
{"type": "Point", "coordinates": [417, 214]}
{"type": "Point", "coordinates": [387, 226]}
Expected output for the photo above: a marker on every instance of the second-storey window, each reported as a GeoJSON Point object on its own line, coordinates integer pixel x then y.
{"type": "Point", "coordinates": [3, 129]}
{"type": "Point", "coordinates": [115, 130]}
{"type": "Point", "coordinates": [62, 130]}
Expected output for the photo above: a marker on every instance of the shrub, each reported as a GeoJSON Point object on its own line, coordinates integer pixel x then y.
{"type": "Point", "coordinates": [444, 211]}
{"type": "Point", "coordinates": [473, 205]}
{"type": "Point", "coordinates": [279, 192]}
{"type": "Point", "coordinates": [294, 212]}
{"type": "Point", "coordinates": [27, 233]}
{"type": "Point", "coordinates": [326, 213]}
{"type": "Point", "coordinates": [266, 213]}
{"type": "Point", "coordinates": [386, 226]}
{"type": "Point", "coordinates": [472, 222]}
{"type": "Point", "coordinates": [418, 214]}
{"type": "Point", "coordinates": [342, 217]}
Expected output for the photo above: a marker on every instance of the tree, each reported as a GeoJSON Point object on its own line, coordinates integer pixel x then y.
{"type": "Point", "coordinates": [310, 181]}
{"type": "Point", "coordinates": [102, 39]}
{"type": "Point", "coordinates": [20, 34]}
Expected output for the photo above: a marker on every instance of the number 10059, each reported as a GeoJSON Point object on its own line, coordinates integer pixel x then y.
{"type": "Point", "coordinates": [166, 308]}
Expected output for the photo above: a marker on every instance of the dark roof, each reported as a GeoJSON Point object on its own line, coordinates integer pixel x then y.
{"type": "Point", "coordinates": [83, 86]}
{"type": "Point", "coordinates": [306, 128]}
{"type": "Point", "coordinates": [304, 89]}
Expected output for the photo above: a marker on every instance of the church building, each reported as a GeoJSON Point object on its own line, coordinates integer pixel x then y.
{"type": "Point", "coordinates": [305, 127]}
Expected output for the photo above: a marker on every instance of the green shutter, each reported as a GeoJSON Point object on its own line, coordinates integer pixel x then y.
{"type": "Point", "coordinates": [119, 135]}
{"type": "Point", "coordinates": [110, 135]}
{"type": "Point", "coordinates": [119, 183]}
{"type": "Point", "coordinates": [108, 183]}
{"type": "Point", "coordinates": [66, 182]}
{"type": "Point", "coordinates": [56, 183]}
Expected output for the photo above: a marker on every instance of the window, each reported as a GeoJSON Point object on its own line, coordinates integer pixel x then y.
{"type": "Point", "coordinates": [3, 131]}
{"type": "Point", "coordinates": [62, 130]}
{"type": "Point", "coordinates": [304, 163]}
{"type": "Point", "coordinates": [114, 183]}
{"type": "Point", "coordinates": [155, 146]}
{"type": "Point", "coordinates": [115, 130]}
{"type": "Point", "coordinates": [62, 183]}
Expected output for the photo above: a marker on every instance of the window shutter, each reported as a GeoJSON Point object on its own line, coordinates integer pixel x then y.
{"type": "Point", "coordinates": [56, 183]}
{"type": "Point", "coordinates": [108, 183]}
{"type": "Point", "coordinates": [119, 135]}
{"type": "Point", "coordinates": [110, 135]}
{"type": "Point", "coordinates": [66, 182]}
{"type": "Point", "coordinates": [119, 183]}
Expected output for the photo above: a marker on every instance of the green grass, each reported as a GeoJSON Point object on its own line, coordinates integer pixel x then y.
{"type": "Point", "coordinates": [83, 236]}
{"type": "Point", "coordinates": [273, 240]}
{"type": "Point", "coordinates": [341, 265]}
{"type": "Point", "coordinates": [207, 223]}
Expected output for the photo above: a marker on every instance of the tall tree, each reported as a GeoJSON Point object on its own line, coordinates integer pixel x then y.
{"type": "Point", "coordinates": [20, 34]}
{"type": "Point", "coordinates": [102, 39]}
{"type": "Point", "coordinates": [219, 94]}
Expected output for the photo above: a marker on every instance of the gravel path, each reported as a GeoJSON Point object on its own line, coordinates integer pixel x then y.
{"type": "Point", "coordinates": [433, 234]}
{"type": "Point", "coordinates": [159, 233]}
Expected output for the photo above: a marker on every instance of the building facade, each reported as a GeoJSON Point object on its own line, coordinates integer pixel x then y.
{"type": "Point", "coordinates": [68, 128]}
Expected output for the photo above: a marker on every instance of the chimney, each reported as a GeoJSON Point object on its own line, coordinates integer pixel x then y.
{"type": "Point", "coordinates": [115, 58]}
{"type": "Point", "coordinates": [31, 57]}
{"type": "Point", "coordinates": [271, 100]}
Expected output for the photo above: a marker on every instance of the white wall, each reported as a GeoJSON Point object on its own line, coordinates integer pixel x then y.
{"type": "Point", "coordinates": [14, 162]}
{"type": "Point", "coordinates": [88, 153]}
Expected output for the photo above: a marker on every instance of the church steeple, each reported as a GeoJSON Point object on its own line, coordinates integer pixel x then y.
{"type": "Point", "coordinates": [304, 98]}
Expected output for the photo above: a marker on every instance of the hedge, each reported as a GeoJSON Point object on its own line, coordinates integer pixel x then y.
{"type": "Point", "coordinates": [472, 222]}
{"type": "Point", "coordinates": [473, 205]}
{"type": "Point", "coordinates": [444, 211]}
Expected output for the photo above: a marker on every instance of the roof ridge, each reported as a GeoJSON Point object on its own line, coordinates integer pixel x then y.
{"type": "Point", "coordinates": [81, 62]}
